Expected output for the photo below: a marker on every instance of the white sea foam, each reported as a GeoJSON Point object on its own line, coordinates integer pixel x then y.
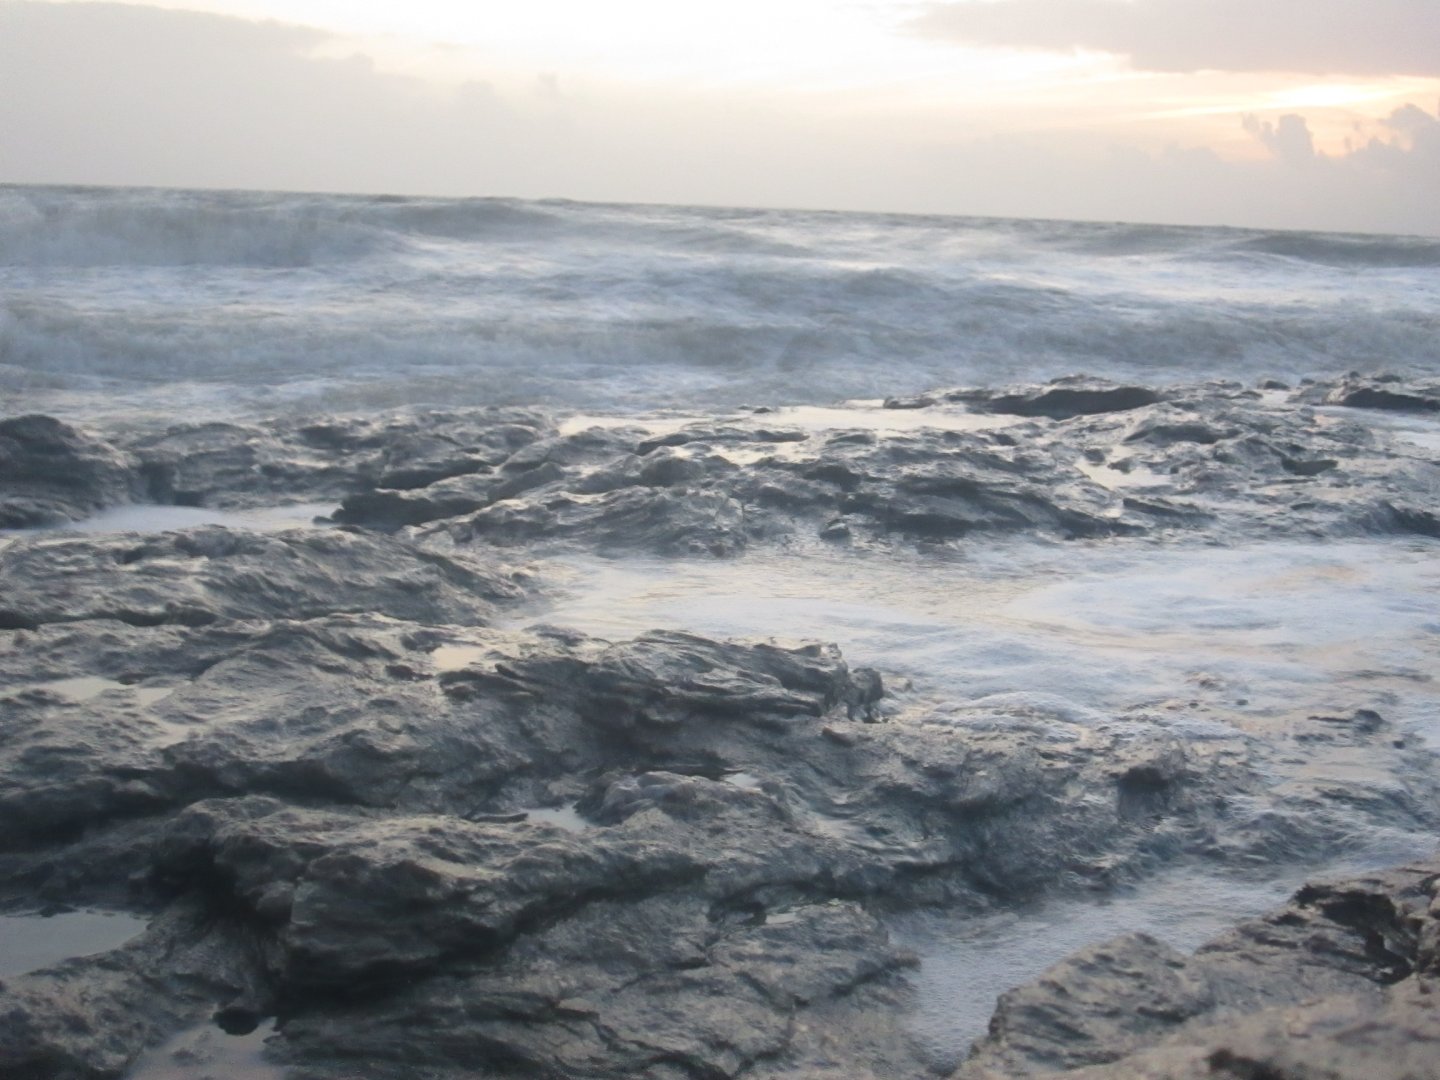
{"type": "Point", "coordinates": [144, 303]}
{"type": "Point", "coordinates": [147, 300]}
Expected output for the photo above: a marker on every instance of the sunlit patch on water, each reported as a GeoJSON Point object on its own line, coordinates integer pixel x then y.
{"type": "Point", "coordinates": [872, 416]}
{"type": "Point", "coordinates": [868, 415]}
{"type": "Point", "coordinates": [1103, 627]}
{"type": "Point", "coordinates": [743, 780]}
{"type": "Point", "coordinates": [31, 942]}
{"type": "Point", "coordinates": [1128, 476]}
{"type": "Point", "coordinates": [1413, 431]}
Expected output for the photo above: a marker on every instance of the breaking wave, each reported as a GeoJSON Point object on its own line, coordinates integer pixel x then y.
{"type": "Point", "coordinates": [254, 300]}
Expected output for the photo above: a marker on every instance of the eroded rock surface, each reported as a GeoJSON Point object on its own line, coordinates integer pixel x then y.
{"type": "Point", "coordinates": [1342, 982]}
{"type": "Point", "coordinates": [51, 472]}
{"type": "Point", "coordinates": [356, 796]}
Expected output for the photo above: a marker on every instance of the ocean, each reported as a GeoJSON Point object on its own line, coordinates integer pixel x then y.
{"type": "Point", "coordinates": [140, 301]}
{"type": "Point", "coordinates": [1222, 609]}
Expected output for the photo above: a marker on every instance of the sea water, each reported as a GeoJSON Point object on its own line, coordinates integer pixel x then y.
{"type": "Point", "coordinates": [144, 306]}
{"type": "Point", "coordinates": [140, 302]}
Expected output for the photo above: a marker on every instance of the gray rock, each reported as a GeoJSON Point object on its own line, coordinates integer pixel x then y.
{"type": "Point", "coordinates": [51, 472]}
{"type": "Point", "coordinates": [200, 576]}
{"type": "Point", "coordinates": [1288, 995]}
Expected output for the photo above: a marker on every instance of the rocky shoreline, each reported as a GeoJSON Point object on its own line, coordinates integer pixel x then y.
{"type": "Point", "coordinates": [353, 793]}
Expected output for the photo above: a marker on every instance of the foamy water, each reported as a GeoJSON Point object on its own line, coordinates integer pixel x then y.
{"type": "Point", "coordinates": [142, 301]}
{"type": "Point", "coordinates": [128, 306]}
{"type": "Point", "coordinates": [1204, 644]}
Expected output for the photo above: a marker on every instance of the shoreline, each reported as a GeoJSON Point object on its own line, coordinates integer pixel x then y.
{"type": "Point", "coordinates": [644, 816]}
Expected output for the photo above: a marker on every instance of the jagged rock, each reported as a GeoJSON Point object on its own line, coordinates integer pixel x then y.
{"type": "Point", "coordinates": [237, 465]}
{"type": "Point", "coordinates": [88, 1017]}
{"type": "Point", "coordinates": [359, 798]}
{"type": "Point", "coordinates": [51, 472]}
{"type": "Point", "coordinates": [199, 576]}
{"type": "Point", "coordinates": [1391, 394]}
{"type": "Point", "coordinates": [1060, 399]}
{"type": "Point", "coordinates": [1279, 996]}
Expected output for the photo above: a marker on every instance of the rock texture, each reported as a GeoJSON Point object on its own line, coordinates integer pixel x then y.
{"type": "Point", "coordinates": [50, 473]}
{"type": "Point", "coordinates": [356, 797]}
{"type": "Point", "coordinates": [1341, 983]}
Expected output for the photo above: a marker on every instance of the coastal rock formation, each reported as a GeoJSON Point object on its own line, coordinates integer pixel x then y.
{"type": "Point", "coordinates": [360, 791]}
{"type": "Point", "coordinates": [1078, 459]}
{"type": "Point", "coordinates": [536, 852]}
{"type": "Point", "coordinates": [200, 576]}
{"type": "Point", "coordinates": [51, 472]}
{"type": "Point", "coordinates": [1341, 982]}
{"type": "Point", "coordinates": [232, 465]}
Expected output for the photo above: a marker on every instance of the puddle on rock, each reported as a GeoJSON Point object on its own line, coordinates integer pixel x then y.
{"type": "Point", "coordinates": [566, 817]}
{"type": "Point", "coordinates": [873, 416]}
{"type": "Point", "coordinates": [148, 518]}
{"type": "Point", "coordinates": [458, 657]}
{"type": "Point", "coordinates": [82, 688]}
{"type": "Point", "coordinates": [208, 1053]}
{"type": "Point", "coordinates": [743, 780]}
{"type": "Point", "coordinates": [1113, 479]}
{"type": "Point", "coordinates": [31, 942]}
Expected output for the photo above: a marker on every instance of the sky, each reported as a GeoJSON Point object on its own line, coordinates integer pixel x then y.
{"type": "Point", "coordinates": [1321, 114]}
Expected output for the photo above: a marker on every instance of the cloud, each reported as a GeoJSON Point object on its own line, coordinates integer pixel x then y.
{"type": "Point", "coordinates": [1321, 37]}
{"type": "Point", "coordinates": [115, 94]}
{"type": "Point", "coordinates": [1288, 138]}
{"type": "Point", "coordinates": [107, 93]}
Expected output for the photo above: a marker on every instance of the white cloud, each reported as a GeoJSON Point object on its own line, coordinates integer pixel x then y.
{"type": "Point", "coordinates": [113, 94]}
{"type": "Point", "coordinates": [1326, 37]}
{"type": "Point", "coordinates": [1288, 138]}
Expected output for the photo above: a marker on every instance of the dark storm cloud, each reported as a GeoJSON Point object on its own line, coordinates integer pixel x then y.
{"type": "Point", "coordinates": [1321, 37]}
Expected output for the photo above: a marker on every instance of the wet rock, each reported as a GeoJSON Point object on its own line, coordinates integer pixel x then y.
{"type": "Point", "coordinates": [240, 465]}
{"type": "Point", "coordinates": [91, 1016]}
{"type": "Point", "coordinates": [1060, 399]}
{"type": "Point", "coordinates": [51, 472]}
{"type": "Point", "coordinates": [1393, 395]}
{"type": "Point", "coordinates": [666, 521]}
{"type": "Point", "coordinates": [1273, 997]}
{"type": "Point", "coordinates": [355, 798]}
{"type": "Point", "coordinates": [1395, 1039]}
{"type": "Point", "coordinates": [663, 678]}
{"type": "Point", "coordinates": [199, 576]}
{"type": "Point", "coordinates": [1065, 402]}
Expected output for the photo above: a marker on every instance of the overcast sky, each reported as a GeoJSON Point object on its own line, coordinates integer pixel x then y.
{"type": "Point", "coordinates": [1280, 113]}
